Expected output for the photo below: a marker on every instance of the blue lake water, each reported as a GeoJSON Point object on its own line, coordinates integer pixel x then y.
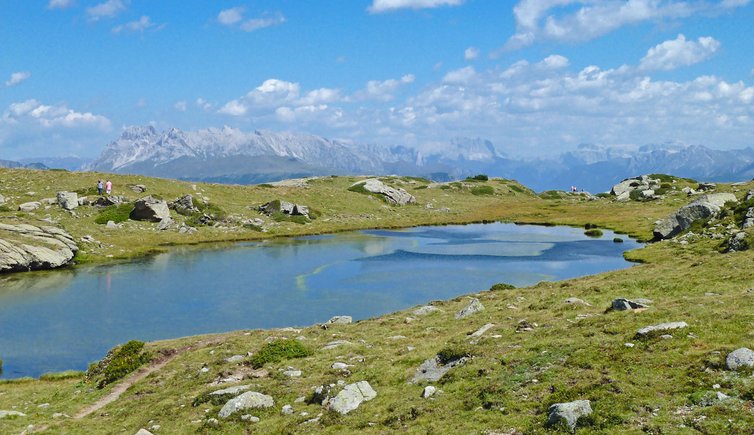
{"type": "Point", "coordinates": [60, 320]}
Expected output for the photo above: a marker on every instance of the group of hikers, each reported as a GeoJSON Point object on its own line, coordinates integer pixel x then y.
{"type": "Point", "coordinates": [106, 186]}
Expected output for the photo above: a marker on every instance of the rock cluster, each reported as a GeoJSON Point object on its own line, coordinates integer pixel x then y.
{"type": "Point", "coordinates": [705, 207]}
{"type": "Point", "coordinates": [392, 195]}
{"type": "Point", "coordinates": [184, 205]}
{"type": "Point", "coordinates": [284, 207]}
{"type": "Point", "coordinates": [27, 247]}
{"type": "Point", "coordinates": [647, 186]}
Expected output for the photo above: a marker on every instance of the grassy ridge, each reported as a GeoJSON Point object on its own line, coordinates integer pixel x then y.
{"type": "Point", "coordinates": [573, 352]}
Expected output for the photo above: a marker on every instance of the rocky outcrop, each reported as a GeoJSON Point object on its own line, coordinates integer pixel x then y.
{"type": "Point", "coordinates": [705, 207]}
{"type": "Point", "coordinates": [391, 194]}
{"type": "Point", "coordinates": [150, 209]}
{"type": "Point", "coordinates": [284, 207]}
{"type": "Point", "coordinates": [138, 188]}
{"type": "Point", "coordinates": [27, 247]}
{"type": "Point", "coordinates": [248, 400]}
{"type": "Point", "coordinates": [184, 205]}
{"type": "Point", "coordinates": [68, 200]}
{"type": "Point", "coordinates": [432, 369]}
{"type": "Point", "coordinates": [351, 397]}
{"type": "Point", "coordinates": [622, 304]}
{"type": "Point", "coordinates": [106, 201]}
{"type": "Point", "coordinates": [474, 307]}
{"type": "Point", "coordinates": [647, 186]}
{"type": "Point", "coordinates": [568, 413]}
{"type": "Point", "coordinates": [2, 200]}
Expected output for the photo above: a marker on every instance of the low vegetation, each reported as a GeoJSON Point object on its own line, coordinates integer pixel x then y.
{"type": "Point", "coordinates": [117, 213]}
{"type": "Point", "coordinates": [279, 350]}
{"type": "Point", "coordinates": [119, 362]}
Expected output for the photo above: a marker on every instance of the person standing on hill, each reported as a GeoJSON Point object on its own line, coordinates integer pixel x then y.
{"type": "Point", "coordinates": [108, 187]}
{"type": "Point", "coordinates": [100, 187]}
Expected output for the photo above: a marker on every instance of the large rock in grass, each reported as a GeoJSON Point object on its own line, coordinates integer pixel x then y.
{"type": "Point", "coordinates": [68, 200]}
{"type": "Point", "coordinates": [649, 331]}
{"type": "Point", "coordinates": [248, 400]}
{"type": "Point", "coordinates": [351, 397]}
{"type": "Point", "coordinates": [432, 369]}
{"type": "Point", "coordinates": [472, 308]}
{"type": "Point", "coordinates": [2, 200]}
{"type": "Point", "coordinates": [28, 247]}
{"type": "Point", "coordinates": [568, 413]}
{"type": "Point", "coordinates": [184, 205]}
{"type": "Point", "coordinates": [740, 358]}
{"type": "Point", "coordinates": [391, 194]}
{"type": "Point", "coordinates": [150, 209]}
{"type": "Point", "coordinates": [29, 206]}
{"type": "Point", "coordinates": [705, 207]}
{"type": "Point", "coordinates": [284, 207]}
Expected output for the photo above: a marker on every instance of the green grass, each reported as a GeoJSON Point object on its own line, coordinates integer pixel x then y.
{"type": "Point", "coordinates": [483, 190]}
{"type": "Point", "coordinates": [116, 213]}
{"type": "Point", "coordinates": [279, 350]}
{"type": "Point", "coordinates": [118, 363]}
{"type": "Point", "coordinates": [59, 376]}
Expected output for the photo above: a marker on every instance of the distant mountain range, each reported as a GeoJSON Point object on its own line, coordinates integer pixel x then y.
{"type": "Point", "coordinates": [15, 164]}
{"type": "Point", "coordinates": [228, 155]}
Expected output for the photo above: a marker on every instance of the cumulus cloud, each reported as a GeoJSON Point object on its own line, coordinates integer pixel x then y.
{"type": "Point", "coordinates": [383, 90]}
{"type": "Point", "coordinates": [180, 106]}
{"type": "Point", "coordinates": [234, 17]}
{"type": "Point", "coordinates": [581, 20]}
{"type": "Point", "coordinates": [463, 75]}
{"type": "Point", "coordinates": [679, 52]}
{"type": "Point", "coordinates": [34, 112]}
{"type": "Point", "coordinates": [139, 26]}
{"type": "Point", "coordinates": [379, 6]}
{"type": "Point", "coordinates": [59, 4]}
{"type": "Point", "coordinates": [17, 77]}
{"type": "Point", "coordinates": [108, 9]}
{"type": "Point", "coordinates": [471, 53]}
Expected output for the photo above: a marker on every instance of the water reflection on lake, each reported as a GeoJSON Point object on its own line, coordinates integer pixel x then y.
{"type": "Point", "coordinates": [61, 320]}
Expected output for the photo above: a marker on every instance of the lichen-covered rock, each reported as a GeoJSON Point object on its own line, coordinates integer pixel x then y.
{"type": "Point", "coordinates": [184, 205]}
{"type": "Point", "coordinates": [29, 206]}
{"type": "Point", "coordinates": [248, 400]}
{"type": "Point", "coordinates": [351, 397]}
{"type": "Point", "coordinates": [474, 307]}
{"type": "Point", "coordinates": [740, 358]}
{"type": "Point", "coordinates": [68, 200]}
{"type": "Point", "coordinates": [662, 327]}
{"type": "Point", "coordinates": [27, 247]}
{"type": "Point", "coordinates": [150, 209]}
{"type": "Point", "coordinates": [392, 195]}
{"type": "Point", "coordinates": [569, 413]}
{"type": "Point", "coordinates": [705, 207]}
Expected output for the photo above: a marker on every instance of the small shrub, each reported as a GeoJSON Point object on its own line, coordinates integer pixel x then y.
{"type": "Point", "coordinates": [594, 232]}
{"type": "Point", "coordinates": [550, 194]}
{"type": "Point", "coordinates": [116, 213]}
{"type": "Point", "coordinates": [119, 362]}
{"type": "Point", "coordinates": [480, 177]}
{"type": "Point", "coordinates": [279, 350]}
{"type": "Point", "coordinates": [445, 187]}
{"type": "Point", "coordinates": [502, 286]}
{"type": "Point", "coordinates": [456, 185]}
{"type": "Point", "coordinates": [483, 190]}
{"type": "Point", "coordinates": [636, 195]}
{"type": "Point", "coordinates": [4, 208]}
{"type": "Point", "coordinates": [603, 195]}
{"type": "Point", "coordinates": [452, 353]}
{"type": "Point", "coordinates": [662, 191]}
{"type": "Point", "coordinates": [589, 226]}
{"type": "Point", "coordinates": [420, 187]}
{"type": "Point", "coordinates": [617, 240]}
{"type": "Point", "coordinates": [279, 216]}
{"type": "Point", "coordinates": [267, 185]}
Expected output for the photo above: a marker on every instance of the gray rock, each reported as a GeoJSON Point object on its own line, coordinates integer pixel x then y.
{"type": "Point", "coordinates": [622, 304]}
{"type": "Point", "coordinates": [479, 332]}
{"type": "Point", "coordinates": [703, 187]}
{"type": "Point", "coordinates": [577, 301]}
{"type": "Point", "coordinates": [150, 209]}
{"type": "Point", "coordinates": [248, 400]}
{"type": "Point", "coordinates": [431, 370]}
{"type": "Point", "coordinates": [334, 344]}
{"type": "Point", "coordinates": [106, 201]}
{"type": "Point", "coordinates": [232, 391]}
{"type": "Point", "coordinates": [112, 225]}
{"type": "Point", "coordinates": [84, 200]}
{"type": "Point", "coordinates": [625, 196]}
{"type": "Point", "coordinates": [68, 200]}
{"type": "Point", "coordinates": [292, 373]}
{"type": "Point", "coordinates": [662, 327]}
{"type": "Point", "coordinates": [143, 431]}
{"type": "Point", "coordinates": [138, 188]}
{"type": "Point", "coordinates": [428, 392]}
{"type": "Point", "coordinates": [425, 310]}
{"type": "Point", "coordinates": [287, 410]}
{"type": "Point", "coordinates": [2, 200]}
{"type": "Point", "coordinates": [340, 320]}
{"type": "Point", "coordinates": [569, 413]}
{"type": "Point", "coordinates": [29, 206]}
{"type": "Point", "coordinates": [391, 194]}
{"type": "Point", "coordinates": [749, 195]}
{"type": "Point", "coordinates": [339, 366]}
{"type": "Point", "coordinates": [740, 358]}
{"type": "Point", "coordinates": [351, 397]}
{"type": "Point", "coordinates": [474, 307]}
{"type": "Point", "coordinates": [184, 205]}
{"type": "Point", "coordinates": [738, 242]}
{"type": "Point", "coordinates": [27, 247]}
{"type": "Point", "coordinates": [625, 187]}
{"type": "Point", "coordinates": [284, 207]}
{"type": "Point", "coordinates": [5, 414]}
{"type": "Point", "coordinates": [165, 224]}
{"type": "Point", "coordinates": [250, 418]}
{"type": "Point", "coordinates": [705, 207]}
{"type": "Point", "coordinates": [688, 191]}
{"type": "Point", "coordinates": [648, 194]}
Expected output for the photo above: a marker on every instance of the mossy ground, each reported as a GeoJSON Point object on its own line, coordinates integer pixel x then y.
{"type": "Point", "coordinates": [573, 352]}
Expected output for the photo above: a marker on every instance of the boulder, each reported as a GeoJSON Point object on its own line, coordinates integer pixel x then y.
{"type": "Point", "coordinates": [68, 200]}
{"type": "Point", "coordinates": [432, 369]}
{"type": "Point", "coordinates": [569, 413]}
{"type": "Point", "coordinates": [749, 195]}
{"type": "Point", "coordinates": [28, 247]}
{"type": "Point", "coordinates": [150, 209]}
{"type": "Point", "coordinates": [625, 186]}
{"type": "Point", "coordinates": [425, 310]}
{"type": "Point", "coordinates": [391, 194]}
{"type": "Point", "coordinates": [84, 200]}
{"type": "Point", "coordinates": [622, 304]}
{"type": "Point", "coordinates": [340, 320]}
{"type": "Point", "coordinates": [138, 188]}
{"type": "Point", "coordinates": [248, 400]}
{"type": "Point", "coordinates": [106, 201]}
{"type": "Point", "coordinates": [184, 205]}
{"type": "Point", "coordinates": [662, 327]}
{"type": "Point", "coordinates": [705, 207]}
{"type": "Point", "coordinates": [429, 391]}
{"type": "Point", "coordinates": [738, 242]}
{"type": "Point", "coordinates": [703, 187]}
{"type": "Point", "coordinates": [29, 206]}
{"type": "Point", "coordinates": [165, 224]}
{"type": "Point", "coordinates": [143, 431]}
{"type": "Point", "coordinates": [474, 307]}
{"type": "Point", "coordinates": [284, 207]}
{"type": "Point", "coordinates": [351, 397]}
{"type": "Point", "coordinates": [740, 358]}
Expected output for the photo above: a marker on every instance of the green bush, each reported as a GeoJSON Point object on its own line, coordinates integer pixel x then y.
{"type": "Point", "coordinates": [594, 232]}
{"type": "Point", "coordinates": [452, 353]}
{"type": "Point", "coordinates": [483, 190]}
{"type": "Point", "coordinates": [359, 188]}
{"type": "Point", "coordinates": [116, 213]}
{"type": "Point", "coordinates": [4, 208]}
{"type": "Point", "coordinates": [279, 350]}
{"type": "Point", "coordinates": [480, 177]}
{"type": "Point", "coordinates": [502, 286]}
{"type": "Point", "coordinates": [118, 362]}
{"type": "Point", "coordinates": [267, 185]}
{"type": "Point", "coordinates": [279, 216]}
{"type": "Point", "coordinates": [444, 187]}
{"type": "Point", "coordinates": [636, 195]}
{"type": "Point", "coordinates": [603, 195]}
{"type": "Point", "coordinates": [617, 240]}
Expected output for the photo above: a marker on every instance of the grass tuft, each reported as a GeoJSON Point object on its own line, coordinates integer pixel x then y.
{"type": "Point", "coordinates": [116, 213]}
{"type": "Point", "coordinates": [279, 350]}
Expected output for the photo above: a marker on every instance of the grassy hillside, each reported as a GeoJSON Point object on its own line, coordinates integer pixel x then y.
{"type": "Point", "coordinates": [539, 351]}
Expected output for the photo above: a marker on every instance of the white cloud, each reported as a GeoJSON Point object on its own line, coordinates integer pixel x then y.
{"type": "Point", "coordinates": [383, 90]}
{"type": "Point", "coordinates": [233, 108]}
{"type": "Point", "coordinates": [555, 61]}
{"type": "Point", "coordinates": [231, 16]}
{"type": "Point", "coordinates": [34, 112]}
{"type": "Point", "coordinates": [391, 5]}
{"type": "Point", "coordinates": [471, 53]}
{"type": "Point", "coordinates": [59, 4]}
{"type": "Point", "coordinates": [581, 20]}
{"type": "Point", "coordinates": [679, 52]}
{"type": "Point", "coordinates": [260, 23]}
{"type": "Point", "coordinates": [204, 104]}
{"type": "Point", "coordinates": [108, 9]}
{"type": "Point", "coordinates": [17, 77]}
{"type": "Point", "coordinates": [139, 26]}
{"type": "Point", "coordinates": [180, 106]}
{"type": "Point", "coordinates": [463, 75]}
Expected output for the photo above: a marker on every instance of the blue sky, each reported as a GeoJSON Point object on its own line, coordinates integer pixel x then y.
{"type": "Point", "coordinates": [534, 76]}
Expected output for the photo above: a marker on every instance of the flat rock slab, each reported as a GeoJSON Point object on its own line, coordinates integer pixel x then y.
{"type": "Point", "coordinates": [5, 414]}
{"type": "Point", "coordinates": [432, 370]}
{"type": "Point", "coordinates": [248, 400]}
{"type": "Point", "coordinates": [740, 358]}
{"type": "Point", "coordinates": [27, 247]}
{"type": "Point", "coordinates": [230, 391]}
{"type": "Point", "coordinates": [392, 195]}
{"type": "Point", "coordinates": [351, 397]}
{"type": "Point", "coordinates": [662, 327]}
{"type": "Point", "coordinates": [473, 307]}
{"type": "Point", "coordinates": [568, 412]}
{"type": "Point", "coordinates": [340, 320]}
